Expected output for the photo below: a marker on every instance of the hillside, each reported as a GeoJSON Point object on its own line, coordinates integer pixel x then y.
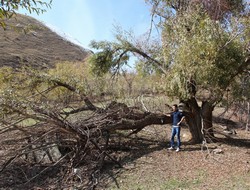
{"type": "Point", "coordinates": [27, 41]}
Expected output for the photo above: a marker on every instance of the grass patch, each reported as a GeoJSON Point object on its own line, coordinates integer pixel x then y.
{"type": "Point", "coordinates": [173, 184]}
{"type": "Point", "coordinates": [157, 184]}
{"type": "Point", "coordinates": [241, 182]}
{"type": "Point", "coordinates": [28, 122]}
{"type": "Point", "coordinates": [155, 181]}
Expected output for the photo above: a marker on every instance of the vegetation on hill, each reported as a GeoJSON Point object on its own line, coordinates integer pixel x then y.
{"type": "Point", "coordinates": [27, 42]}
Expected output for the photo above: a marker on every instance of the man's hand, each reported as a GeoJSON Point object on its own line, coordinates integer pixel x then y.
{"type": "Point", "coordinates": [168, 114]}
{"type": "Point", "coordinates": [182, 119]}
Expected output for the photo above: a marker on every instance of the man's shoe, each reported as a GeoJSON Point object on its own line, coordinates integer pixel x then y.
{"type": "Point", "coordinates": [171, 148]}
{"type": "Point", "coordinates": [178, 149]}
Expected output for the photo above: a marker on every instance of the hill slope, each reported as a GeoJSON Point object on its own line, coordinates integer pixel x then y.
{"type": "Point", "coordinates": [28, 41]}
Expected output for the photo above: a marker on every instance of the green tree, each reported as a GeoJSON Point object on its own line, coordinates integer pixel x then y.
{"type": "Point", "coordinates": [200, 53]}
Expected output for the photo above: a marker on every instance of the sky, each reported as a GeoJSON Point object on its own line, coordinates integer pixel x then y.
{"type": "Point", "coordinates": [86, 20]}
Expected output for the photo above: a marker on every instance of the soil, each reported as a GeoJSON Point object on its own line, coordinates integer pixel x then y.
{"type": "Point", "coordinates": [221, 165]}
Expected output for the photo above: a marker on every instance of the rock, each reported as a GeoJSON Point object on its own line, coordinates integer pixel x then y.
{"type": "Point", "coordinates": [230, 132]}
{"type": "Point", "coordinates": [1, 152]}
{"type": "Point", "coordinates": [218, 151]}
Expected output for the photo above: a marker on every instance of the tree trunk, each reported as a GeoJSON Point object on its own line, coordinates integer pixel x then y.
{"type": "Point", "coordinates": [207, 119]}
{"type": "Point", "coordinates": [199, 120]}
{"type": "Point", "coordinates": [193, 119]}
{"type": "Point", "coordinates": [248, 116]}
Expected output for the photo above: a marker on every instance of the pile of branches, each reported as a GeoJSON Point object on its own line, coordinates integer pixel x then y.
{"type": "Point", "coordinates": [42, 139]}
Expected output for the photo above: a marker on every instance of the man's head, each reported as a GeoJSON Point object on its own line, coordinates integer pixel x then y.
{"type": "Point", "coordinates": [174, 107]}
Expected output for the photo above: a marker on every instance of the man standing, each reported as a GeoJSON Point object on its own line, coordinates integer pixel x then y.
{"type": "Point", "coordinates": [177, 119]}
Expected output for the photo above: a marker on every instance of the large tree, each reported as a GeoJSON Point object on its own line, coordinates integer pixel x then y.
{"type": "Point", "coordinates": [202, 52]}
{"type": "Point", "coordinates": [206, 57]}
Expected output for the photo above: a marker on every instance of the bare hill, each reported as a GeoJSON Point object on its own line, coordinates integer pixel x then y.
{"type": "Point", "coordinates": [27, 41]}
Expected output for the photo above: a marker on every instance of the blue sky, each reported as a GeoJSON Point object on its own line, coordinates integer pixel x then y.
{"type": "Point", "coordinates": [87, 20]}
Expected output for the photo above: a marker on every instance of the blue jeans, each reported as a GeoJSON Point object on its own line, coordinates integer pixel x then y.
{"type": "Point", "coordinates": [176, 131]}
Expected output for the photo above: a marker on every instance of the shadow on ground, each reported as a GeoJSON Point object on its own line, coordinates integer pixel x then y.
{"type": "Point", "coordinates": [17, 176]}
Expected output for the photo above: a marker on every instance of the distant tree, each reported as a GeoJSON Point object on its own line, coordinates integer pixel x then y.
{"type": "Point", "coordinates": [200, 53]}
{"type": "Point", "coordinates": [9, 7]}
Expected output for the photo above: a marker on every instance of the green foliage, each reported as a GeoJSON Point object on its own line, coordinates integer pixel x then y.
{"type": "Point", "coordinates": [217, 10]}
{"type": "Point", "coordinates": [111, 57]}
{"type": "Point", "coordinates": [78, 75]}
{"type": "Point", "coordinates": [202, 50]}
{"type": "Point", "coordinates": [239, 90]}
{"type": "Point", "coordinates": [26, 89]}
{"type": "Point", "coordinates": [143, 69]}
{"type": "Point", "coordinates": [8, 8]}
{"type": "Point", "coordinates": [196, 50]}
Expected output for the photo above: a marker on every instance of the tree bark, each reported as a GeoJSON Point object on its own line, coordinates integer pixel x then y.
{"type": "Point", "coordinates": [193, 119]}
{"type": "Point", "coordinates": [207, 115]}
{"type": "Point", "coordinates": [118, 116]}
{"type": "Point", "coordinates": [199, 120]}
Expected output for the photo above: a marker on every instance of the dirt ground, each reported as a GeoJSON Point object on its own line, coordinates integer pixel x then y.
{"type": "Point", "coordinates": [150, 165]}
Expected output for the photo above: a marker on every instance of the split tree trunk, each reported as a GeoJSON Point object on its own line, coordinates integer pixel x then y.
{"type": "Point", "coordinates": [199, 119]}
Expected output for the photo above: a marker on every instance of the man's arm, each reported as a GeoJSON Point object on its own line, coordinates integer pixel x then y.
{"type": "Point", "coordinates": [168, 114]}
{"type": "Point", "coordinates": [182, 119]}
